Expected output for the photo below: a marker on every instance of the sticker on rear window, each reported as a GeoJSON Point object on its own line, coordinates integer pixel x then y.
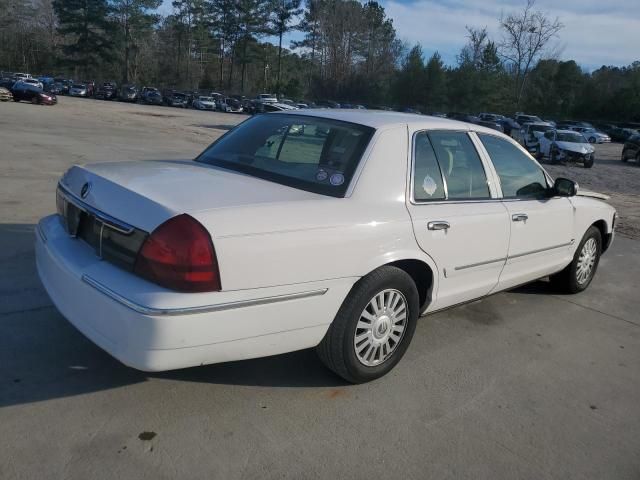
{"type": "Point", "coordinates": [321, 175]}
{"type": "Point", "coordinates": [429, 185]}
{"type": "Point", "coordinates": [336, 179]}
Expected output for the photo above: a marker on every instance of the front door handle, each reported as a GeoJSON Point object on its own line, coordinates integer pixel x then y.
{"type": "Point", "coordinates": [519, 217]}
{"type": "Point", "coordinates": [438, 225]}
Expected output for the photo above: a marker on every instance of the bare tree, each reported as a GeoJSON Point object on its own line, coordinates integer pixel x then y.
{"type": "Point", "coordinates": [525, 37]}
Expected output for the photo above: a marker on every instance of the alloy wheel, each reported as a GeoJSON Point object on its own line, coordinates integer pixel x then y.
{"type": "Point", "coordinates": [381, 327]}
{"type": "Point", "coordinates": [586, 261]}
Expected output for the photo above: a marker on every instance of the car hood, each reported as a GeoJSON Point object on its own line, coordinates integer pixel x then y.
{"type": "Point", "coordinates": [575, 147]}
{"type": "Point", "coordinates": [588, 193]}
{"type": "Point", "coordinates": [203, 102]}
{"type": "Point", "coordinates": [146, 193]}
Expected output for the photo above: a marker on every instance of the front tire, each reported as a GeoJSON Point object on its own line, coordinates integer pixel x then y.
{"type": "Point", "coordinates": [588, 163]}
{"type": "Point", "coordinates": [577, 276]}
{"type": "Point", "coordinates": [373, 327]}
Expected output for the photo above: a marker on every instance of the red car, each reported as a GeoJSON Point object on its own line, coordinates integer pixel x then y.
{"type": "Point", "coordinates": [33, 94]}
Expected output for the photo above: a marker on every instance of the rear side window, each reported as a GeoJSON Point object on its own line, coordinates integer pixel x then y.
{"type": "Point", "coordinates": [460, 165]}
{"type": "Point", "coordinates": [309, 153]}
{"type": "Point", "coordinates": [427, 177]}
{"type": "Point", "coordinates": [520, 177]}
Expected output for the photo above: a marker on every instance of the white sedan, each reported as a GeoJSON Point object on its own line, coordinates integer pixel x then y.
{"type": "Point", "coordinates": [328, 229]}
{"type": "Point", "coordinates": [204, 103]}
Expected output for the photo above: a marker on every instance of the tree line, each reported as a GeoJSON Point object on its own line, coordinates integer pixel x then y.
{"type": "Point", "coordinates": [347, 51]}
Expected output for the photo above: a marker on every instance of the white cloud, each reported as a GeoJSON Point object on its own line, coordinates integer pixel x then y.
{"type": "Point", "coordinates": [596, 32]}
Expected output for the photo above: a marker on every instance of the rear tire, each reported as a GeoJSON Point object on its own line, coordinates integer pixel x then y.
{"type": "Point", "coordinates": [373, 327]}
{"type": "Point", "coordinates": [577, 276]}
{"type": "Point", "coordinates": [592, 139]}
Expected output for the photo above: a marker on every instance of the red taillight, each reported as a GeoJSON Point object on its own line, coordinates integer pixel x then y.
{"type": "Point", "coordinates": [179, 255]}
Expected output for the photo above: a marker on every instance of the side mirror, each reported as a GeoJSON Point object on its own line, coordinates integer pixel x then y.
{"type": "Point", "coordinates": [563, 187]}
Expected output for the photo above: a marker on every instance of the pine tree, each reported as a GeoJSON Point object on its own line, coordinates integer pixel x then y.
{"type": "Point", "coordinates": [86, 24]}
{"type": "Point", "coordinates": [135, 21]}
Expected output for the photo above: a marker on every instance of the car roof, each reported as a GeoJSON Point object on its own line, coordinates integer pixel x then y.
{"type": "Point", "coordinates": [379, 119]}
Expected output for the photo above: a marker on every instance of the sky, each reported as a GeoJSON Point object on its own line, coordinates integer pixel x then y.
{"type": "Point", "coordinates": [595, 33]}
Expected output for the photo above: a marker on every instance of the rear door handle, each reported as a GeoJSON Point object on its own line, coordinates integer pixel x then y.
{"type": "Point", "coordinates": [519, 217]}
{"type": "Point", "coordinates": [438, 225]}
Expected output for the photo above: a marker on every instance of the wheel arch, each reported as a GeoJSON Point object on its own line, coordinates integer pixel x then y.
{"type": "Point", "coordinates": [422, 275]}
{"type": "Point", "coordinates": [601, 225]}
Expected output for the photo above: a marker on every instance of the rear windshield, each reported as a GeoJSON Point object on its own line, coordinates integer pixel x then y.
{"type": "Point", "coordinates": [314, 154]}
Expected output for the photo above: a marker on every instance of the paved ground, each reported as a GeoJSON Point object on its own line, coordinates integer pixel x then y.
{"type": "Point", "coordinates": [522, 385]}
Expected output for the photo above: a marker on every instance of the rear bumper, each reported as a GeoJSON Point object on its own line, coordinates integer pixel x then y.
{"type": "Point", "coordinates": [153, 329]}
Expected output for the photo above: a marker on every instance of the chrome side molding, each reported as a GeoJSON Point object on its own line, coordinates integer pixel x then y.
{"type": "Point", "coordinates": [145, 310]}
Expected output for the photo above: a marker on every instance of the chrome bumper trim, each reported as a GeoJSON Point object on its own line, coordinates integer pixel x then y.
{"type": "Point", "coordinates": [199, 309]}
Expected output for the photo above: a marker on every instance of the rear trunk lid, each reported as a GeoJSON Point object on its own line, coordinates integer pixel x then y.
{"type": "Point", "coordinates": [147, 193]}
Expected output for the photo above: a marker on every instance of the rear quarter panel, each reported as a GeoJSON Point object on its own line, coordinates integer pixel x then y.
{"type": "Point", "coordinates": [298, 242]}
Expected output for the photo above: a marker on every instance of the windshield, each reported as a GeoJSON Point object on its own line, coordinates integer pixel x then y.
{"type": "Point", "coordinates": [77, 85]}
{"type": "Point", "coordinates": [570, 137]}
{"type": "Point", "coordinates": [314, 154]}
{"type": "Point", "coordinates": [206, 99]}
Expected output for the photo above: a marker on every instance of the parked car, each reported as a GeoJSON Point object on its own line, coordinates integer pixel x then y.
{"type": "Point", "coordinates": [631, 149]}
{"type": "Point", "coordinates": [509, 125]}
{"type": "Point", "coordinates": [129, 93]}
{"type": "Point", "coordinates": [569, 124]}
{"type": "Point", "coordinates": [463, 117]}
{"type": "Point", "coordinates": [5, 94]}
{"type": "Point", "coordinates": [619, 134]}
{"type": "Point", "coordinates": [31, 93]}
{"type": "Point", "coordinates": [230, 105]}
{"type": "Point", "coordinates": [530, 133]}
{"type": "Point", "coordinates": [153, 97]}
{"type": "Point", "coordinates": [521, 118]}
{"type": "Point", "coordinates": [491, 124]}
{"type": "Point", "coordinates": [65, 83]}
{"type": "Point", "coordinates": [145, 91]}
{"type": "Point", "coordinates": [566, 146]}
{"type": "Point", "coordinates": [273, 241]}
{"type": "Point", "coordinates": [79, 90]}
{"type": "Point", "coordinates": [327, 104]}
{"type": "Point", "coordinates": [176, 99]}
{"type": "Point", "coordinates": [204, 103]}
{"type": "Point", "coordinates": [32, 81]}
{"type": "Point", "coordinates": [277, 107]}
{"type": "Point", "coordinates": [107, 91]}
{"type": "Point", "coordinates": [593, 135]}
{"type": "Point", "coordinates": [56, 88]}
{"type": "Point", "coordinates": [267, 98]}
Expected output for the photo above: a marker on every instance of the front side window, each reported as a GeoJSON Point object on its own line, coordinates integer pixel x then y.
{"type": "Point", "coordinates": [460, 165]}
{"type": "Point", "coordinates": [520, 177]}
{"type": "Point", "coordinates": [309, 153]}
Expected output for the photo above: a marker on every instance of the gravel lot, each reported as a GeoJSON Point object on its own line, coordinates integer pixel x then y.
{"type": "Point", "coordinates": [522, 385]}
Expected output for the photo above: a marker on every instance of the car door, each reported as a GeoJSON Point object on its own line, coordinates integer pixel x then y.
{"type": "Point", "coordinates": [457, 218]}
{"type": "Point", "coordinates": [541, 232]}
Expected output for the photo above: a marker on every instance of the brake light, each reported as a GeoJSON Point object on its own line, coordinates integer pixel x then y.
{"type": "Point", "coordinates": [179, 255]}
